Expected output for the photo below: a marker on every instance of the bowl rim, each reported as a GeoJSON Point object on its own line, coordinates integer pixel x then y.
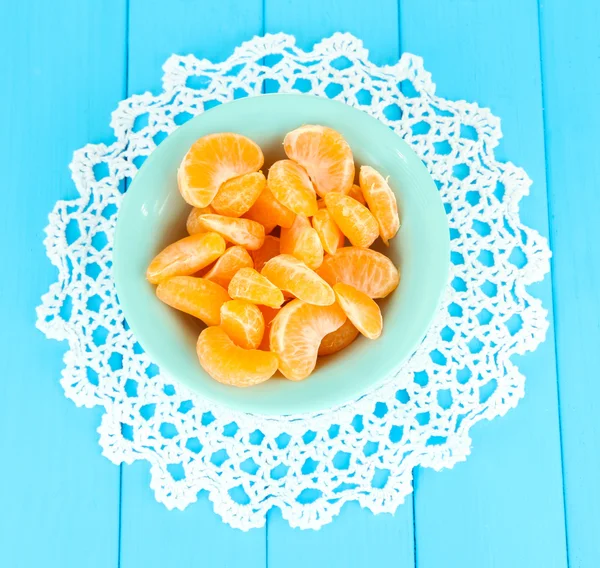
{"type": "Point", "coordinates": [325, 403]}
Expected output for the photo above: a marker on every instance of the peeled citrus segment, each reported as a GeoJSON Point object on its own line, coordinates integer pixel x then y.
{"type": "Point", "coordinates": [195, 296]}
{"type": "Point", "coordinates": [367, 270]}
{"type": "Point", "coordinates": [338, 339]}
{"type": "Point", "coordinates": [192, 221]}
{"type": "Point", "coordinates": [230, 364]}
{"type": "Point", "coordinates": [237, 195]}
{"type": "Point", "coordinates": [247, 284]}
{"type": "Point", "coordinates": [381, 201]}
{"type": "Point", "coordinates": [269, 250]}
{"type": "Point", "coordinates": [324, 154]}
{"type": "Point", "coordinates": [330, 234]}
{"type": "Point", "coordinates": [211, 161]}
{"type": "Point", "coordinates": [244, 232]}
{"type": "Point", "coordinates": [356, 193]}
{"type": "Point", "coordinates": [361, 310]}
{"type": "Point", "coordinates": [296, 333]}
{"type": "Point", "coordinates": [223, 270]}
{"type": "Point", "coordinates": [354, 219]}
{"type": "Point", "coordinates": [269, 315]}
{"type": "Point", "coordinates": [291, 186]}
{"type": "Point", "coordinates": [185, 257]}
{"type": "Point", "coordinates": [303, 242]}
{"type": "Point", "coordinates": [269, 212]}
{"type": "Point", "coordinates": [243, 322]}
{"type": "Point", "coordinates": [291, 275]}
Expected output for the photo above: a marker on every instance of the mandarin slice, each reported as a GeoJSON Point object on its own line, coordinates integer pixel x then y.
{"type": "Point", "coordinates": [268, 315]}
{"type": "Point", "coordinates": [211, 161]}
{"type": "Point", "coordinates": [381, 201]}
{"type": "Point", "coordinates": [367, 270]}
{"type": "Point", "coordinates": [291, 186]}
{"type": "Point", "coordinates": [291, 275]}
{"type": "Point", "coordinates": [269, 212]}
{"type": "Point", "coordinates": [185, 257]}
{"type": "Point", "coordinates": [324, 154]}
{"type": "Point", "coordinates": [361, 310]}
{"type": "Point", "coordinates": [269, 250]}
{"type": "Point", "coordinates": [330, 234]}
{"type": "Point", "coordinates": [224, 269]}
{"type": "Point", "coordinates": [353, 219]}
{"type": "Point", "coordinates": [192, 221]}
{"type": "Point", "coordinates": [356, 193]}
{"type": "Point", "coordinates": [303, 242]}
{"type": "Point", "coordinates": [338, 339]}
{"type": "Point", "coordinates": [243, 322]}
{"type": "Point", "coordinates": [248, 284]}
{"type": "Point", "coordinates": [230, 364]}
{"type": "Point", "coordinates": [195, 296]}
{"type": "Point", "coordinates": [296, 333]}
{"type": "Point", "coordinates": [237, 195]}
{"type": "Point", "coordinates": [243, 232]}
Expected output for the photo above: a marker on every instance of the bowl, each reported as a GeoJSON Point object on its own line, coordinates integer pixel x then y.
{"type": "Point", "coordinates": [153, 214]}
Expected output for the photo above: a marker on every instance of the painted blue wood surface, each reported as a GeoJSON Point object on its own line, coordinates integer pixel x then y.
{"type": "Point", "coordinates": [501, 507]}
{"type": "Point", "coordinates": [67, 64]}
{"type": "Point", "coordinates": [570, 55]}
{"type": "Point", "coordinates": [61, 77]}
{"type": "Point", "coordinates": [150, 534]}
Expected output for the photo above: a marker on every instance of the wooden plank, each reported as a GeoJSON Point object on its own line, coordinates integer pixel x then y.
{"type": "Point", "coordinates": [151, 535]}
{"type": "Point", "coordinates": [504, 506]}
{"type": "Point", "coordinates": [356, 537]}
{"type": "Point", "coordinates": [571, 71]}
{"type": "Point", "coordinates": [62, 77]}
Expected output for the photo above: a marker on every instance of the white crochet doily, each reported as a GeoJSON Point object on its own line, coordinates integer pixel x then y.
{"type": "Point", "coordinates": [309, 465]}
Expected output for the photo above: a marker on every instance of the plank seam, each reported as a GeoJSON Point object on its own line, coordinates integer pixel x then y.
{"type": "Point", "coordinates": [552, 282]}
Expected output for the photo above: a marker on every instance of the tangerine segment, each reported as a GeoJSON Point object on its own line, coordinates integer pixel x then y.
{"type": "Point", "coordinates": [292, 275]}
{"type": "Point", "coordinates": [292, 187]}
{"type": "Point", "coordinates": [381, 201]}
{"type": "Point", "coordinates": [269, 315]}
{"type": "Point", "coordinates": [237, 195]}
{"type": "Point", "coordinates": [227, 265]}
{"type": "Point", "coordinates": [330, 234]}
{"type": "Point", "coordinates": [354, 219]}
{"type": "Point", "coordinates": [303, 242]}
{"type": "Point", "coordinates": [195, 296]}
{"type": "Point", "coordinates": [192, 224]}
{"type": "Point", "coordinates": [247, 284]}
{"type": "Point", "coordinates": [269, 212]}
{"type": "Point", "coordinates": [185, 257]}
{"type": "Point", "coordinates": [244, 232]}
{"type": "Point", "coordinates": [367, 270]}
{"type": "Point", "coordinates": [356, 193]}
{"type": "Point", "coordinates": [338, 339]}
{"type": "Point", "coordinates": [361, 310]}
{"type": "Point", "coordinates": [243, 322]}
{"type": "Point", "coordinates": [230, 364]}
{"type": "Point", "coordinates": [211, 161]}
{"type": "Point", "coordinates": [324, 154]}
{"type": "Point", "coordinates": [296, 333]}
{"type": "Point", "coordinates": [265, 253]}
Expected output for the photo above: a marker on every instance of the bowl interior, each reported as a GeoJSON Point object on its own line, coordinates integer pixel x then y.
{"type": "Point", "coordinates": [153, 215]}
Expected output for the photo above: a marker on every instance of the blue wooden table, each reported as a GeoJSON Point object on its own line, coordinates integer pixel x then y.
{"type": "Point", "coordinates": [528, 496]}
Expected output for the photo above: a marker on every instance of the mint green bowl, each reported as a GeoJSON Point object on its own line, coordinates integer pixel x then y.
{"type": "Point", "coordinates": [153, 215]}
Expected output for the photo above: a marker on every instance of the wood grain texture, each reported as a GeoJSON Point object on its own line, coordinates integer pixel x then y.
{"type": "Point", "coordinates": [356, 537]}
{"type": "Point", "coordinates": [69, 63]}
{"type": "Point", "coordinates": [503, 507]}
{"type": "Point", "coordinates": [61, 79]}
{"type": "Point", "coordinates": [571, 72]}
{"type": "Point", "coordinates": [151, 535]}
